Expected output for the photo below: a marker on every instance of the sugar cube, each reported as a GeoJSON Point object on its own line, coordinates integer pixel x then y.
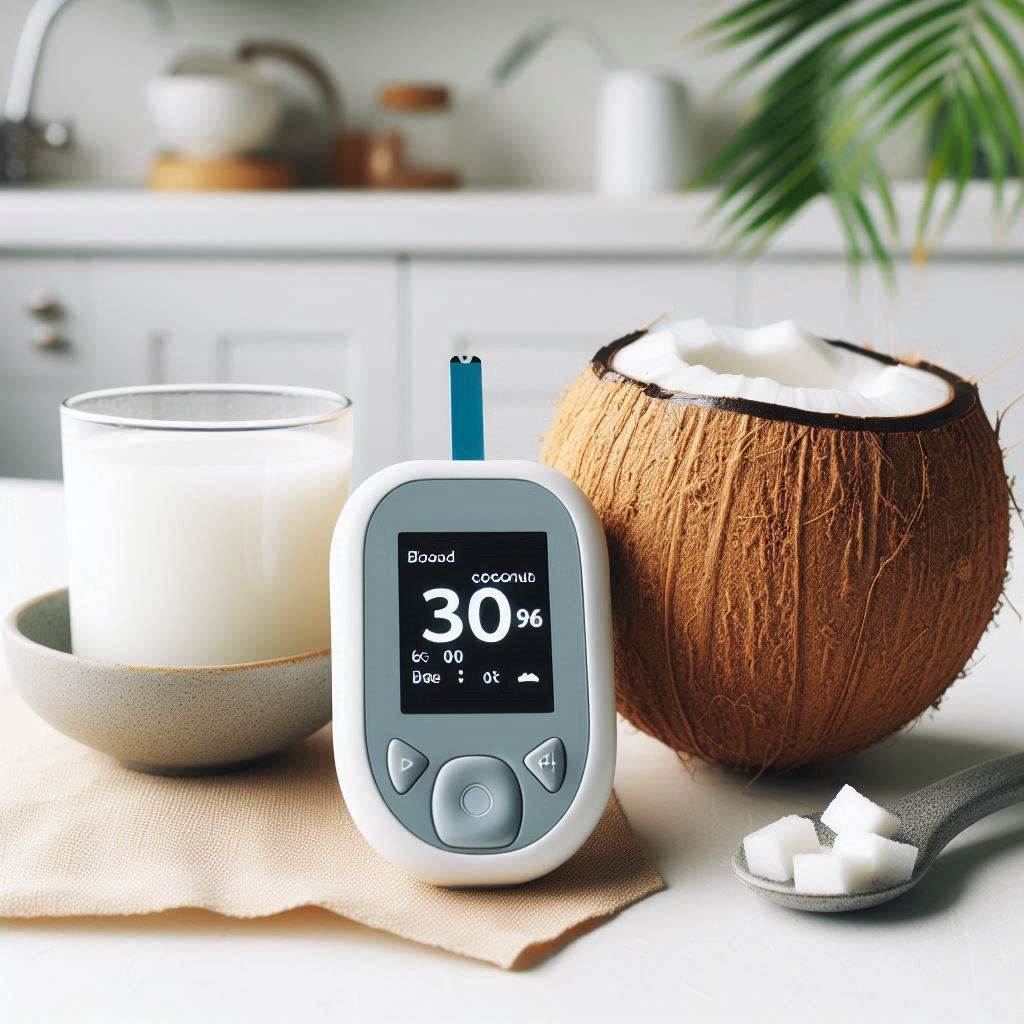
{"type": "Point", "coordinates": [891, 862]}
{"type": "Point", "coordinates": [830, 874]}
{"type": "Point", "coordinates": [851, 812]}
{"type": "Point", "coordinates": [770, 850]}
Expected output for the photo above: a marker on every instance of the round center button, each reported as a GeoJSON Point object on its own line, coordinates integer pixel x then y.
{"type": "Point", "coordinates": [477, 803]}
{"type": "Point", "coordinates": [476, 800]}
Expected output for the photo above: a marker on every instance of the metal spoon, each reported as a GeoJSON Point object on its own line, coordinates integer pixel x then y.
{"type": "Point", "coordinates": [930, 819]}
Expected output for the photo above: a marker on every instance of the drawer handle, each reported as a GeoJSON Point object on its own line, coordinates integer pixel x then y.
{"type": "Point", "coordinates": [49, 338]}
{"type": "Point", "coordinates": [44, 307]}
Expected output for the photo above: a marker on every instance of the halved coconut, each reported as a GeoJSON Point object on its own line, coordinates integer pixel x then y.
{"type": "Point", "coordinates": [807, 538]}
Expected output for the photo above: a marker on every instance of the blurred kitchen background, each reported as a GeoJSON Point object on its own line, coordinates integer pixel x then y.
{"type": "Point", "coordinates": [480, 229]}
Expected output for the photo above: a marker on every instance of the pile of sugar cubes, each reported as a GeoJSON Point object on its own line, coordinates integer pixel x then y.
{"type": "Point", "coordinates": [863, 856]}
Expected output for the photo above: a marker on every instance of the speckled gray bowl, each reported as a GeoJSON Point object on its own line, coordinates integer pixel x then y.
{"type": "Point", "coordinates": [172, 721]}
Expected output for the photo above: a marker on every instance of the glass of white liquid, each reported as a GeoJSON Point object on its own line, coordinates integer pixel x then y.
{"type": "Point", "coordinates": [200, 520]}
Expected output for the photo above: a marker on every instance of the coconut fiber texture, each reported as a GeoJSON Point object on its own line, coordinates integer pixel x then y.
{"type": "Point", "coordinates": [785, 590]}
{"type": "Point", "coordinates": [80, 835]}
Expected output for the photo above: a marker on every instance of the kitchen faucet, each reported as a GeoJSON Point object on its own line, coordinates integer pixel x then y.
{"type": "Point", "coordinates": [19, 131]}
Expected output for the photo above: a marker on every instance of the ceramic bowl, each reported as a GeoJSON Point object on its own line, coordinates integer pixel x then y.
{"type": "Point", "coordinates": [171, 721]}
{"type": "Point", "coordinates": [213, 115]}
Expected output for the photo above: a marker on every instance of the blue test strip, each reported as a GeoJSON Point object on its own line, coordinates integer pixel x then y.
{"type": "Point", "coordinates": [467, 407]}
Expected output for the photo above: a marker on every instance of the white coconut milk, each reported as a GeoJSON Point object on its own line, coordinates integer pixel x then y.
{"type": "Point", "coordinates": [201, 548]}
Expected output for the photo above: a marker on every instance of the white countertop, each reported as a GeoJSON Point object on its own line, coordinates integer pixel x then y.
{"type": "Point", "coordinates": [704, 950]}
{"type": "Point", "coordinates": [450, 223]}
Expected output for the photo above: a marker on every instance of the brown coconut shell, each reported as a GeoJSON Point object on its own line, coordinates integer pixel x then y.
{"type": "Point", "coordinates": [788, 587]}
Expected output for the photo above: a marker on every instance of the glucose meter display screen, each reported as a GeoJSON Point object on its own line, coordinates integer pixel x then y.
{"type": "Point", "coordinates": [474, 623]}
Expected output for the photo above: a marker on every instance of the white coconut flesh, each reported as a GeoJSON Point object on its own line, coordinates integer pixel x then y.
{"type": "Point", "coordinates": [780, 364]}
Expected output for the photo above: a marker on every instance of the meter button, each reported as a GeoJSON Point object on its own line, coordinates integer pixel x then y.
{"type": "Point", "coordinates": [477, 803]}
{"type": "Point", "coordinates": [405, 765]}
{"type": "Point", "coordinates": [476, 800]}
{"type": "Point", "coordinates": [547, 764]}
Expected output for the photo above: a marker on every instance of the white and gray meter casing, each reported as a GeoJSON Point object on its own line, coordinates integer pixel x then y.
{"type": "Point", "coordinates": [474, 705]}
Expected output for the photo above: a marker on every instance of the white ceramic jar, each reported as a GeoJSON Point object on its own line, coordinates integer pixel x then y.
{"type": "Point", "coordinates": [643, 134]}
{"type": "Point", "coordinates": [208, 106]}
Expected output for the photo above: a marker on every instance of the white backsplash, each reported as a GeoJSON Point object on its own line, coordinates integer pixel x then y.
{"type": "Point", "coordinates": [537, 131]}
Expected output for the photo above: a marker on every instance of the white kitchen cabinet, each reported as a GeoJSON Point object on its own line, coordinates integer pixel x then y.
{"type": "Point", "coordinates": [962, 314]}
{"type": "Point", "coordinates": [315, 323]}
{"type": "Point", "coordinates": [959, 313]}
{"type": "Point", "coordinates": [47, 352]}
{"type": "Point", "coordinates": [383, 329]}
{"type": "Point", "coordinates": [535, 325]}
{"type": "Point", "coordinates": [823, 295]}
{"type": "Point", "coordinates": [967, 316]}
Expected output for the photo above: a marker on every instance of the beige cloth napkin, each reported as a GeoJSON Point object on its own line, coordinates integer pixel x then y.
{"type": "Point", "coordinates": [80, 835]}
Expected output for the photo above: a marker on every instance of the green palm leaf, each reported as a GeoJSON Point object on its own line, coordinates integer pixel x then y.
{"type": "Point", "coordinates": [841, 77]}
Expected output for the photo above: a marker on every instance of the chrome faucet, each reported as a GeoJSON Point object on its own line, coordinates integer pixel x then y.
{"type": "Point", "coordinates": [19, 130]}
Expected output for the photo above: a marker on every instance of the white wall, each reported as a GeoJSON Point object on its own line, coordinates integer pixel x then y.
{"type": "Point", "coordinates": [537, 131]}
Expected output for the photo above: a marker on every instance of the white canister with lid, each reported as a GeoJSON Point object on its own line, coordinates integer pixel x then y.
{"type": "Point", "coordinates": [642, 133]}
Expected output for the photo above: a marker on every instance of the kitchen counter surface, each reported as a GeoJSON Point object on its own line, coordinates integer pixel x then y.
{"type": "Point", "coordinates": [704, 950]}
{"type": "Point", "coordinates": [67, 219]}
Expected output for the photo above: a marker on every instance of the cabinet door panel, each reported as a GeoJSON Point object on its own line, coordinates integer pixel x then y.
{"type": "Point", "coordinates": [967, 316]}
{"type": "Point", "coordinates": [272, 357]}
{"type": "Point", "coordinates": [316, 323]}
{"type": "Point", "coordinates": [535, 326]}
{"type": "Point", "coordinates": [964, 315]}
{"type": "Point", "coordinates": [42, 299]}
{"type": "Point", "coordinates": [30, 427]}
{"type": "Point", "coordinates": [46, 354]}
{"type": "Point", "coordinates": [961, 314]}
{"type": "Point", "coordinates": [824, 296]}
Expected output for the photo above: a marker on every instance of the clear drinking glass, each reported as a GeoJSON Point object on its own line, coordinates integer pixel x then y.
{"type": "Point", "coordinates": [200, 520]}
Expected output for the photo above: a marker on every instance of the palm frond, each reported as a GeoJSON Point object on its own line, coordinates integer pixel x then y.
{"type": "Point", "coordinates": [841, 77]}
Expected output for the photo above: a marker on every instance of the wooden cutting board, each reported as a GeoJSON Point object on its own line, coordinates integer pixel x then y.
{"type": "Point", "coordinates": [170, 173]}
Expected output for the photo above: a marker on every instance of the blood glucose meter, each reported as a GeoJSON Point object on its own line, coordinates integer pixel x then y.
{"type": "Point", "coordinates": [474, 710]}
